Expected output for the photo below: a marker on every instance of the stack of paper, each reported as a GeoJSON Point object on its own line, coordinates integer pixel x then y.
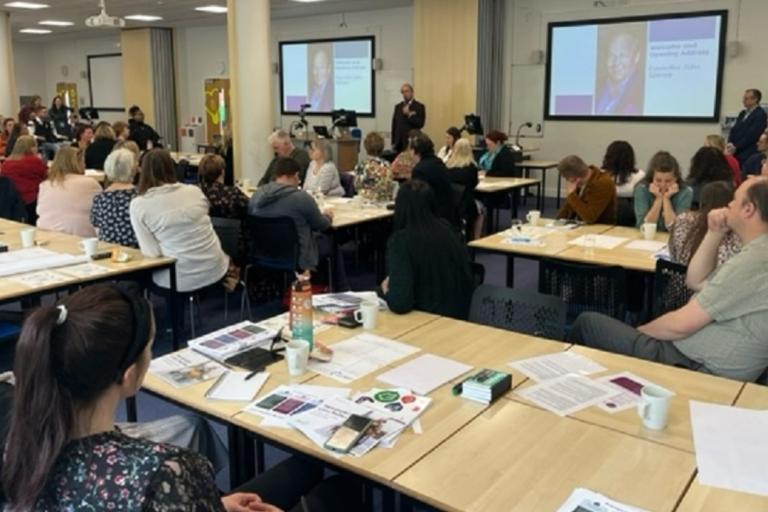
{"type": "Point", "coordinates": [549, 366]}
{"type": "Point", "coordinates": [646, 245]}
{"type": "Point", "coordinates": [36, 258]}
{"type": "Point", "coordinates": [232, 340]}
{"type": "Point", "coordinates": [567, 394]}
{"type": "Point", "coordinates": [730, 447]}
{"type": "Point", "coordinates": [237, 386]}
{"type": "Point", "coordinates": [360, 355]}
{"type": "Point", "coordinates": [598, 241]}
{"type": "Point", "coordinates": [185, 367]}
{"type": "Point", "coordinates": [425, 373]}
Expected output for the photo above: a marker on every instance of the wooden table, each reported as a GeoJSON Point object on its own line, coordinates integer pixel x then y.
{"type": "Point", "coordinates": [473, 344]}
{"type": "Point", "coordinates": [497, 189]}
{"type": "Point", "coordinates": [544, 166]}
{"type": "Point", "coordinates": [70, 244]}
{"type": "Point", "coordinates": [517, 457]}
{"type": "Point", "coordinates": [631, 259]}
{"type": "Point", "coordinates": [554, 244]}
{"type": "Point", "coordinates": [686, 384]}
{"type": "Point", "coordinates": [702, 498]}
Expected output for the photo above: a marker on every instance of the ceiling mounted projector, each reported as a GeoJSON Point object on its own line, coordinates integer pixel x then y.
{"type": "Point", "coordinates": [104, 20]}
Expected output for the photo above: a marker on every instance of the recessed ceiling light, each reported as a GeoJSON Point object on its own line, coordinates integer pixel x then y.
{"type": "Point", "coordinates": [143, 17]}
{"type": "Point", "coordinates": [27, 5]}
{"type": "Point", "coordinates": [35, 31]}
{"type": "Point", "coordinates": [55, 23]}
{"type": "Point", "coordinates": [215, 9]}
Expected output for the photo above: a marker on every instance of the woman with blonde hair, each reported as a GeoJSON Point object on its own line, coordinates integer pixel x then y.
{"type": "Point", "coordinates": [718, 142]}
{"type": "Point", "coordinates": [65, 199]}
{"type": "Point", "coordinates": [462, 170]}
{"type": "Point", "coordinates": [122, 132]}
{"type": "Point", "coordinates": [27, 171]}
{"type": "Point", "coordinates": [102, 145]}
{"type": "Point", "coordinates": [322, 174]}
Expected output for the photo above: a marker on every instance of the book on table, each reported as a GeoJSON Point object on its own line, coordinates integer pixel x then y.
{"type": "Point", "coordinates": [486, 386]}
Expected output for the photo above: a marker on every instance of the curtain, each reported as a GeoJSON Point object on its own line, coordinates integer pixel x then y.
{"type": "Point", "coordinates": [164, 87]}
{"type": "Point", "coordinates": [490, 63]}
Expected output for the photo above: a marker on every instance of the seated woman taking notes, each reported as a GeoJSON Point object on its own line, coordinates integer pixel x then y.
{"type": "Point", "coordinates": [322, 174]}
{"type": "Point", "coordinates": [661, 196]}
{"type": "Point", "coordinates": [75, 362]}
{"type": "Point", "coordinates": [428, 266]}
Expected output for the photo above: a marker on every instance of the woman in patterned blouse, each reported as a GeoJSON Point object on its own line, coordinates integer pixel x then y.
{"type": "Point", "coordinates": [227, 202]}
{"type": "Point", "coordinates": [110, 213]}
{"type": "Point", "coordinates": [690, 227]}
{"type": "Point", "coordinates": [75, 362]}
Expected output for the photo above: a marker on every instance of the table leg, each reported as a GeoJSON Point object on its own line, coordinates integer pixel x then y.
{"type": "Point", "coordinates": [526, 174]}
{"type": "Point", "coordinates": [174, 309]}
{"type": "Point", "coordinates": [540, 195]}
{"type": "Point", "coordinates": [510, 271]}
{"type": "Point", "coordinates": [542, 189]}
{"type": "Point", "coordinates": [130, 409]}
{"type": "Point", "coordinates": [388, 499]}
{"type": "Point", "coordinates": [559, 184]}
{"type": "Point", "coordinates": [261, 464]}
{"type": "Point", "coordinates": [236, 470]}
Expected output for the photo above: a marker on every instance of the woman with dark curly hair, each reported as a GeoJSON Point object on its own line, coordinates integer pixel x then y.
{"type": "Point", "coordinates": [707, 165]}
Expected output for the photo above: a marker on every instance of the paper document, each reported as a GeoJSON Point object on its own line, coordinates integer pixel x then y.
{"type": "Point", "coordinates": [319, 423]}
{"type": "Point", "coordinates": [567, 394]}
{"type": "Point", "coordinates": [85, 270]}
{"type": "Point", "coordinates": [584, 500]}
{"type": "Point", "coordinates": [40, 278]}
{"type": "Point", "coordinates": [286, 400]}
{"type": "Point", "coordinates": [36, 258]}
{"type": "Point", "coordinates": [546, 367]}
{"type": "Point", "coordinates": [342, 302]}
{"type": "Point", "coordinates": [645, 245]}
{"type": "Point", "coordinates": [232, 340]}
{"type": "Point", "coordinates": [425, 373]}
{"type": "Point", "coordinates": [360, 355]}
{"type": "Point", "coordinates": [627, 386]}
{"type": "Point", "coordinates": [185, 367]}
{"type": "Point", "coordinates": [235, 386]}
{"type": "Point", "coordinates": [730, 447]}
{"type": "Point", "coordinates": [599, 241]}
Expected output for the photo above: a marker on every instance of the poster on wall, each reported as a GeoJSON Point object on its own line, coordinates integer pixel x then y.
{"type": "Point", "coordinates": [217, 118]}
{"type": "Point", "coordinates": [68, 92]}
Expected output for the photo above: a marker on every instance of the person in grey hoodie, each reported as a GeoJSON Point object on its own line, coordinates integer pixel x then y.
{"type": "Point", "coordinates": [283, 198]}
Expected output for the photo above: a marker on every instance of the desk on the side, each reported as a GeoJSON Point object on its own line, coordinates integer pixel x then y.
{"type": "Point", "coordinates": [517, 457]}
{"type": "Point", "coordinates": [553, 244]}
{"type": "Point", "coordinates": [544, 166]}
{"type": "Point", "coordinates": [701, 498]}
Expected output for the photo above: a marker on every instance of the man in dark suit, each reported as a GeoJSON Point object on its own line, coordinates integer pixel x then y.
{"type": "Point", "coordinates": [409, 115]}
{"type": "Point", "coordinates": [140, 132]}
{"type": "Point", "coordinates": [751, 123]}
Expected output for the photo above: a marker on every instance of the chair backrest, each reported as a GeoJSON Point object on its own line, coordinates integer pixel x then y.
{"type": "Point", "coordinates": [347, 183]}
{"type": "Point", "coordinates": [228, 231]}
{"type": "Point", "coordinates": [518, 310]}
{"type": "Point", "coordinates": [625, 212]}
{"type": "Point", "coordinates": [273, 242]}
{"type": "Point", "coordinates": [478, 273]}
{"type": "Point", "coordinates": [669, 289]}
{"type": "Point", "coordinates": [585, 287]}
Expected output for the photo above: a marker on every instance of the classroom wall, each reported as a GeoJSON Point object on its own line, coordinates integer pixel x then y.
{"type": "Point", "coordinates": [526, 22]}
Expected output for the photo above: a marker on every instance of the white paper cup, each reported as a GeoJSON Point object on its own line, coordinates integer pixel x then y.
{"type": "Point", "coordinates": [533, 217]}
{"type": "Point", "coordinates": [648, 230]}
{"type": "Point", "coordinates": [297, 357]}
{"type": "Point", "coordinates": [367, 315]}
{"type": "Point", "coordinates": [654, 406]}
{"type": "Point", "coordinates": [27, 237]}
{"type": "Point", "coordinates": [247, 184]}
{"type": "Point", "coordinates": [90, 246]}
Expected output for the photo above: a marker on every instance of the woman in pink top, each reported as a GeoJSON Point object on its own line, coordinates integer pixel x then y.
{"type": "Point", "coordinates": [65, 199]}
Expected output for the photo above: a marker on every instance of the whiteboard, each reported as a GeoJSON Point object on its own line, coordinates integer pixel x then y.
{"type": "Point", "coordinates": [105, 77]}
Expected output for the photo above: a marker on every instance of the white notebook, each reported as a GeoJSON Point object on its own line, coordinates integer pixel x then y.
{"type": "Point", "coordinates": [233, 386]}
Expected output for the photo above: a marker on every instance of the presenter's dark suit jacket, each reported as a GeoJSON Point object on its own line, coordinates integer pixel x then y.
{"type": "Point", "coordinates": [401, 124]}
{"type": "Point", "coordinates": [745, 133]}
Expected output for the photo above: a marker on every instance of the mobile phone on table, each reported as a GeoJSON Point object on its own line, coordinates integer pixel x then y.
{"type": "Point", "coordinates": [348, 434]}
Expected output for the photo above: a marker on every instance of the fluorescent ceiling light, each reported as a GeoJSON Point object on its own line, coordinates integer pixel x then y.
{"type": "Point", "coordinates": [307, 1]}
{"type": "Point", "coordinates": [215, 9]}
{"type": "Point", "coordinates": [27, 5]}
{"type": "Point", "coordinates": [56, 23]}
{"type": "Point", "coordinates": [35, 31]}
{"type": "Point", "coordinates": [143, 17]}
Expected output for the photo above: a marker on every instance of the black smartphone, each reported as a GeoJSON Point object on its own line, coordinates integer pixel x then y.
{"type": "Point", "coordinates": [348, 434]}
{"type": "Point", "coordinates": [101, 255]}
{"type": "Point", "coordinates": [349, 322]}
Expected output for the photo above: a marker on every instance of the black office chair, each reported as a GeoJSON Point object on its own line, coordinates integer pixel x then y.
{"type": "Point", "coordinates": [625, 212]}
{"type": "Point", "coordinates": [669, 289]}
{"type": "Point", "coordinates": [478, 273]}
{"type": "Point", "coordinates": [595, 288]}
{"type": "Point", "coordinates": [228, 231]}
{"type": "Point", "coordinates": [519, 310]}
{"type": "Point", "coordinates": [273, 244]}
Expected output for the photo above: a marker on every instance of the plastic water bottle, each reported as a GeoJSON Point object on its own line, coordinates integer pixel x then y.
{"type": "Point", "coordinates": [301, 310]}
